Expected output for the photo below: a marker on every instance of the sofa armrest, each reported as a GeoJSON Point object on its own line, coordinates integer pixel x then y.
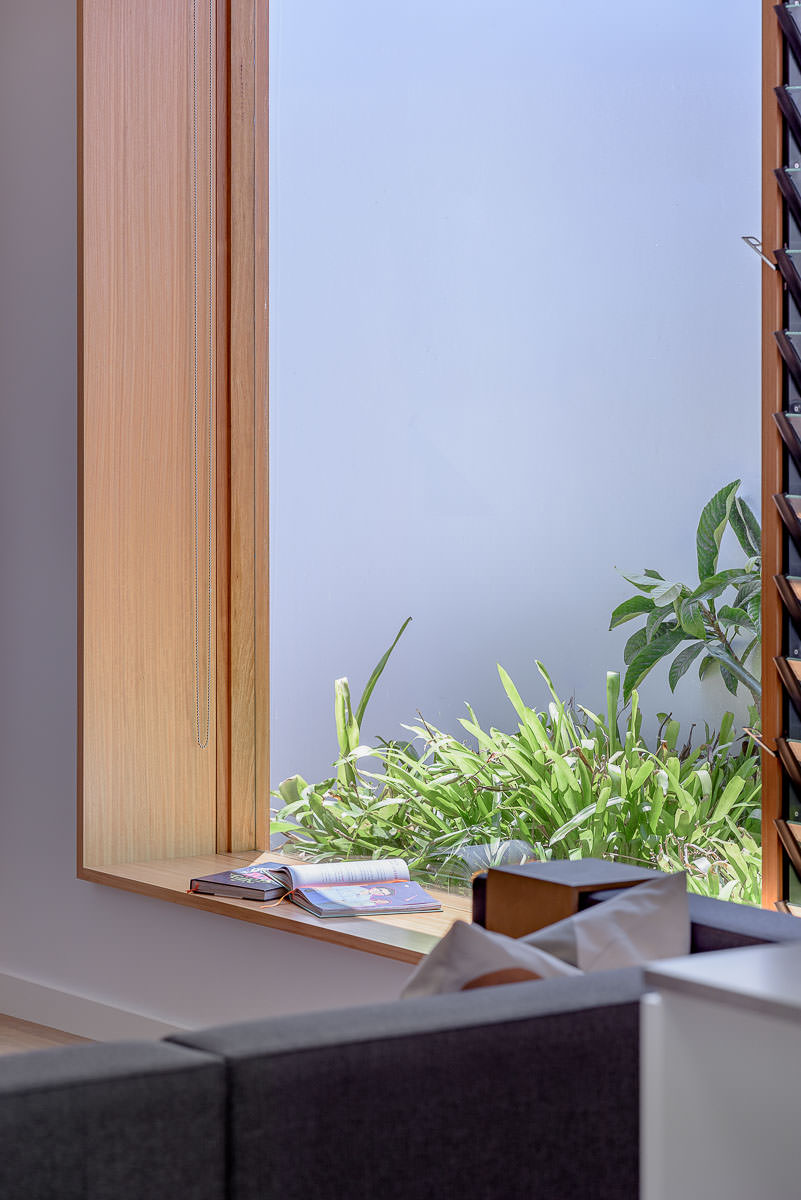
{"type": "Point", "coordinates": [122, 1121]}
{"type": "Point", "coordinates": [722, 925]}
{"type": "Point", "coordinates": [529, 1089]}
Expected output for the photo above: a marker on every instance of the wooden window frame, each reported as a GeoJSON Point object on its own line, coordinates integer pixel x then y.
{"type": "Point", "coordinates": [241, 509]}
{"type": "Point", "coordinates": [772, 469]}
{"type": "Point", "coordinates": [241, 832]}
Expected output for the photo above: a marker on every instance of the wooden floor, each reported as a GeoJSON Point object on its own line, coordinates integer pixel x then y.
{"type": "Point", "coordinates": [17, 1036]}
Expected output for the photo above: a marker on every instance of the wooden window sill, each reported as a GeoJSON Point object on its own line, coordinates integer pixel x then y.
{"type": "Point", "coordinates": [405, 938]}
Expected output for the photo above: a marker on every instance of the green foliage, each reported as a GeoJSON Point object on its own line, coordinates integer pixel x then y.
{"type": "Point", "coordinates": [567, 782]}
{"type": "Point", "coordinates": [349, 723]}
{"type": "Point", "coordinates": [694, 620]}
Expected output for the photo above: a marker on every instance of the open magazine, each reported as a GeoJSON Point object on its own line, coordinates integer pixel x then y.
{"type": "Point", "coordinates": [363, 888]}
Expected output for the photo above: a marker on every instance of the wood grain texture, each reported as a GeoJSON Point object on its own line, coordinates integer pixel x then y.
{"type": "Point", "coordinates": [19, 1037]}
{"type": "Point", "coordinates": [407, 938]}
{"type": "Point", "coordinates": [148, 789]}
{"type": "Point", "coordinates": [80, 849]}
{"type": "Point", "coordinates": [772, 472]}
{"type": "Point", "coordinates": [223, 472]}
{"type": "Point", "coordinates": [261, 127]}
{"type": "Point", "coordinates": [243, 432]}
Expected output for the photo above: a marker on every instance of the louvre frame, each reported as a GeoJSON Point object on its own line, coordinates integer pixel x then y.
{"type": "Point", "coordinates": [781, 379]}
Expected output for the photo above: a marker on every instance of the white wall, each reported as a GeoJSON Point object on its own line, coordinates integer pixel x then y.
{"type": "Point", "coordinates": [463, 430]}
{"type": "Point", "coordinates": [181, 967]}
{"type": "Point", "coordinates": [514, 338]}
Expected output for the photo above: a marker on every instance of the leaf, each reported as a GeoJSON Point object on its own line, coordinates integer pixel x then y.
{"type": "Point", "coordinates": [376, 675]}
{"type": "Point", "coordinates": [682, 662]}
{"type": "Point", "coordinates": [734, 616]}
{"type": "Point", "coordinates": [531, 721]}
{"type": "Point", "coordinates": [691, 619]}
{"type": "Point", "coordinates": [343, 715]}
{"type": "Point", "coordinates": [727, 800]}
{"type": "Point", "coordinates": [714, 585]}
{"type": "Point", "coordinates": [656, 620]}
{"type": "Point", "coordinates": [746, 527]}
{"type": "Point", "coordinates": [726, 727]}
{"type": "Point", "coordinates": [736, 668]}
{"type": "Point", "coordinates": [748, 591]}
{"type": "Point", "coordinates": [729, 679]}
{"type": "Point", "coordinates": [667, 593]}
{"type": "Point", "coordinates": [645, 582]}
{"type": "Point", "coordinates": [648, 657]}
{"type": "Point", "coordinates": [705, 779]}
{"type": "Point", "coordinates": [643, 772]}
{"type": "Point", "coordinates": [754, 610]}
{"type": "Point", "coordinates": [283, 827]}
{"type": "Point", "coordinates": [634, 645]}
{"type": "Point", "coordinates": [705, 666]}
{"type": "Point", "coordinates": [752, 645]}
{"type": "Point", "coordinates": [612, 699]}
{"type": "Point", "coordinates": [630, 608]}
{"type": "Point", "coordinates": [711, 526]}
{"type": "Point", "coordinates": [578, 819]}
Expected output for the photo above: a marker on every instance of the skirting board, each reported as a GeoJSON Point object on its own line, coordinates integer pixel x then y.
{"type": "Point", "coordinates": [29, 1001]}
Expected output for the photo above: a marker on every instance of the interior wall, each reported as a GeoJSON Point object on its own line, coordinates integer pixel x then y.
{"type": "Point", "coordinates": [543, 371]}
{"type": "Point", "coordinates": [181, 967]}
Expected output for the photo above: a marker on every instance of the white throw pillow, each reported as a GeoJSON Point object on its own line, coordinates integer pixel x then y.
{"type": "Point", "coordinates": [651, 920]}
{"type": "Point", "coordinates": [470, 956]}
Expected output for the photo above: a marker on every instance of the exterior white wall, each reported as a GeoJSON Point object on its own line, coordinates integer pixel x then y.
{"type": "Point", "coordinates": [515, 341]}
{"type": "Point", "coordinates": [515, 344]}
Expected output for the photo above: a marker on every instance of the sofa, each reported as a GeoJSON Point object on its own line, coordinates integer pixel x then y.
{"type": "Point", "coordinates": [528, 1090]}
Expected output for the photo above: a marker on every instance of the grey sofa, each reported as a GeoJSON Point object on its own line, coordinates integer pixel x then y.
{"type": "Point", "coordinates": [529, 1090]}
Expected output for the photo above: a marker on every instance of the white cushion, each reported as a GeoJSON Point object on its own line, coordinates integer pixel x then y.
{"type": "Point", "coordinates": [470, 956]}
{"type": "Point", "coordinates": [645, 922]}
{"type": "Point", "coordinates": [651, 920]}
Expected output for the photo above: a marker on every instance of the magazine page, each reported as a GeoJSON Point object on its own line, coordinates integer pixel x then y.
{"type": "Point", "coordinates": [371, 870]}
{"type": "Point", "coordinates": [367, 899]}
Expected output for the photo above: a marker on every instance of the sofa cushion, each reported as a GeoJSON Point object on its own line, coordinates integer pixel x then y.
{"type": "Point", "coordinates": [471, 956]}
{"type": "Point", "coordinates": [529, 1090]}
{"type": "Point", "coordinates": [112, 1122]}
{"type": "Point", "coordinates": [722, 924]}
{"type": "Point", "coordinates": [636, 925]}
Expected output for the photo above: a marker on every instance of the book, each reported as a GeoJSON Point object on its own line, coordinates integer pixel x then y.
{"type": "Point", "coordinates": [256, 882]}
{"type": "Point", "coordinates": [369, 887]}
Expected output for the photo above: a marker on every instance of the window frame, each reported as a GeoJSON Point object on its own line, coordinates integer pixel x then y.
{"type": "Point", "coordinates": [241, 435]}
{"type": "Point", "coordinates": [241, 506]}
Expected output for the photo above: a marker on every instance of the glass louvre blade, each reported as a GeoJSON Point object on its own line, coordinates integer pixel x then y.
{"type": "Point", "coordinates": [789, 97]}
{"type": "Point", "coordinates": [790, 755]}
{"type": "Point", "coordinates": [789, 426]}
{"type": "Point", "coordinates": [789, 181]}
{"type": "Point", "coordinates": [790, 674]}
{"type": "Point", "coordinates": [790, 512]}
{"type": "Point", "coordinates": [789, 16]}
{"type": "Point", "coordinates": [789, 343]}
{"type": "Point", "coordinates": [789, 263]}
{"type": "Point", "coordinates": [789, 588]}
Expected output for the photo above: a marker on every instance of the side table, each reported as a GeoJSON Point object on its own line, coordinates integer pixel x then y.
{"type": "Point", "coordinates": [720, 1070]}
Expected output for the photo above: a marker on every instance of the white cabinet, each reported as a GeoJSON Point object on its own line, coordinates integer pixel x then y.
{"type": "Point", "coordinates": [720, 1076]}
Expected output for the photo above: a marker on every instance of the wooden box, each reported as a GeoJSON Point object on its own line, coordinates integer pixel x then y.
{"type": "Point", "coordinates": [518, 900]}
